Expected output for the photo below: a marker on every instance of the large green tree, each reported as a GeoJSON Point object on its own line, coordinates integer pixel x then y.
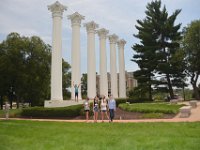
{"type": "Point", "coordinates": [37, 71]}
{"type": "Point", "coordinates": [158, 49]}
{"type": "Point", "coordinates": [25, 69]}
{"type": "Point", "coordinates": [191, 45]}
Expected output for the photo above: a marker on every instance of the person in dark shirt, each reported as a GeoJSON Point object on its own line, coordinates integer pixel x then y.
{"type": "Point", "coordinates": [76, 87]}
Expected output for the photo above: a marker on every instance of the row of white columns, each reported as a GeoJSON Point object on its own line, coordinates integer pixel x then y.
{"type": "Point", "coordinates": [56, 67]}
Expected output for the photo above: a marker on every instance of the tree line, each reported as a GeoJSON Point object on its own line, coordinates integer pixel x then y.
{"type": "Point", "coordinates": [166, 56]}
{"type": "Point", "coordinates": [25, 65]}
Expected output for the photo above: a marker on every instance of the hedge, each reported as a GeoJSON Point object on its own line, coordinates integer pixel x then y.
{"type": "Point", "coordinates": [70, 111]}
{"type": "Point", "coordinates": [13, 113]}
{"type": "Point", "coordinates": [130, 100]}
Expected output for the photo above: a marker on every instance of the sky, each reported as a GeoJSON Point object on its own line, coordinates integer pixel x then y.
{"type": "Point", "coordinates": [32, 18]}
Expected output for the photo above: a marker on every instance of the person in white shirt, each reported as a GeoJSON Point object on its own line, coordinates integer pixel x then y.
{"type": "Point", "coordinates": [112, 107]}
{"type": "Point", "coordinates": [104, 108]}
{"type": "Point", "coordinates": [86, 106]}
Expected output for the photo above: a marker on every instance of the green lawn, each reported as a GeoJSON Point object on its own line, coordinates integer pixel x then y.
{"type": "Point", "coordinates": [30, 135]}
{"type": "Point", "coordinates": [165, 108]}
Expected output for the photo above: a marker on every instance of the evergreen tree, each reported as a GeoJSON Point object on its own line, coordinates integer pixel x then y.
{"type": "Point", "coordinates": [158, 48]}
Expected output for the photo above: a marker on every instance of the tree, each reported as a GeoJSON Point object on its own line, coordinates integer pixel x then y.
{"type": "Point", "coordinates": [66, 78]}
{"type": "Point", "coordinates": [12, 65]}
{"type": "Point", "coordinates": [158, 48]}
{"type": "Point", "coordinates": [191, 45]}
{"type": "Point", "coordinates": [84, 85]}
{"type": "Point", "coordinates": [25, 70]}
{"type": "Point", "coordinates": [36, 79]}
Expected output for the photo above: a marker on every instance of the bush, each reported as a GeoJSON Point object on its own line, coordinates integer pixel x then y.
{"type": "Point", "coordinates": [120, 101]}
{"type": "Point", "coordinates": [13, 113]}
{"type": "Point", "coordinates": [130, 100]}
{"type": "Point", "coordinates": [70, 111]}
{"type": "Point", "coordinates": [151, 108]}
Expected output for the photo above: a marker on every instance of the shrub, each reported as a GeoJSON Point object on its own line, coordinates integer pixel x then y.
{"type": "Point", "coordinates": [12, 113]}
{"type": "Point", "coordinates": [130, 100]}
{"type": "Point", "coordinates": [120, 100]}
{"type": "Point", "coordinates": [70, 111]}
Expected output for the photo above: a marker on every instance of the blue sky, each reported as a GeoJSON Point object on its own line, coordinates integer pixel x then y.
{"type": "Point", "coordinates": [31, 17]}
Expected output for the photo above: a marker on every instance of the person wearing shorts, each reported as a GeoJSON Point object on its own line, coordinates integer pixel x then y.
{"type": "Point", "coordinates": [86, 106]}
{"type": "Point", "coordinates": [96, 108]}
{"type": "Point", "coordinates": [104, 108]}
{"type": "Point", "coordinates": [76, 87]}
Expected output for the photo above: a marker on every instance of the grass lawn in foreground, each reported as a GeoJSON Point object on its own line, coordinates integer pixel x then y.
{"type": "Point", "coordinates": [33, 135]}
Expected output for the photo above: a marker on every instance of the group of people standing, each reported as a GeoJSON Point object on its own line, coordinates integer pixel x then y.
{"type": "Point", "coordinates": [100, 104]}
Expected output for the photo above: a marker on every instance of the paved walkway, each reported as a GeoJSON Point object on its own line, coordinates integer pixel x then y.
{"type": "Point", "coordinates": [194, 117]}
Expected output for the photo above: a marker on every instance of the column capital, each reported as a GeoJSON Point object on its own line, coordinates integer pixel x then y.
{"type": "Point", "coordinates": [113, 38]}
{"type": "Point", "coordinates": [91, 26]}
{"type": "Point", "coordinates": [121, 43]}
{"type": "Point", "coordinates": [57, 9]}
{"type": "Point", "coordinates": [76, 19]}
{"type": "Point", "coordinates": [102, 33]}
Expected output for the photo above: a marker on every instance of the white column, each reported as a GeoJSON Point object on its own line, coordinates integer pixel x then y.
{"type": "Point", "coordinates": [113, 68]}
{"type": "Point", "coordinates": [91, 62]}
{"type": "Point", "coordinates": [76, 58]}
{"type": "Point", "coordinates": [122, 81]}
{"type": "Point", "coordinates": [102, 33]}
{"type": "Point", "coordinates": [56, 58]}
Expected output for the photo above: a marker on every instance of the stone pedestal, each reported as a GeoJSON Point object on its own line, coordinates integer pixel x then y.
{"type": "Point", "coordinates": [122, 81]}
{"type": "Point", "coordinates": [56, 59]}
{"type": "Point", "coordinates": [113, 68]}
{"type": "Point", "coordinates": [193, 103]}
{"type": "Point", "coordinates": [76, 58]}
{"type": "Point", "coordinates": [91, 61]}
{"type": "Point", "coordinates": [102, 33]}
{"type": "Point", "coordinates": [185, 111]}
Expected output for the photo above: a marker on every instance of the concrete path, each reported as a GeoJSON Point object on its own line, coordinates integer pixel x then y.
{"type": "Point", "coordinates": [194, 117]}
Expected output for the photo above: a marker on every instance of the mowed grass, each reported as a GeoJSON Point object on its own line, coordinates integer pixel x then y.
{"type": "Point", "coordinates": [165, 108]}
{"type": "Point", "coordinates": [33, 135]}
